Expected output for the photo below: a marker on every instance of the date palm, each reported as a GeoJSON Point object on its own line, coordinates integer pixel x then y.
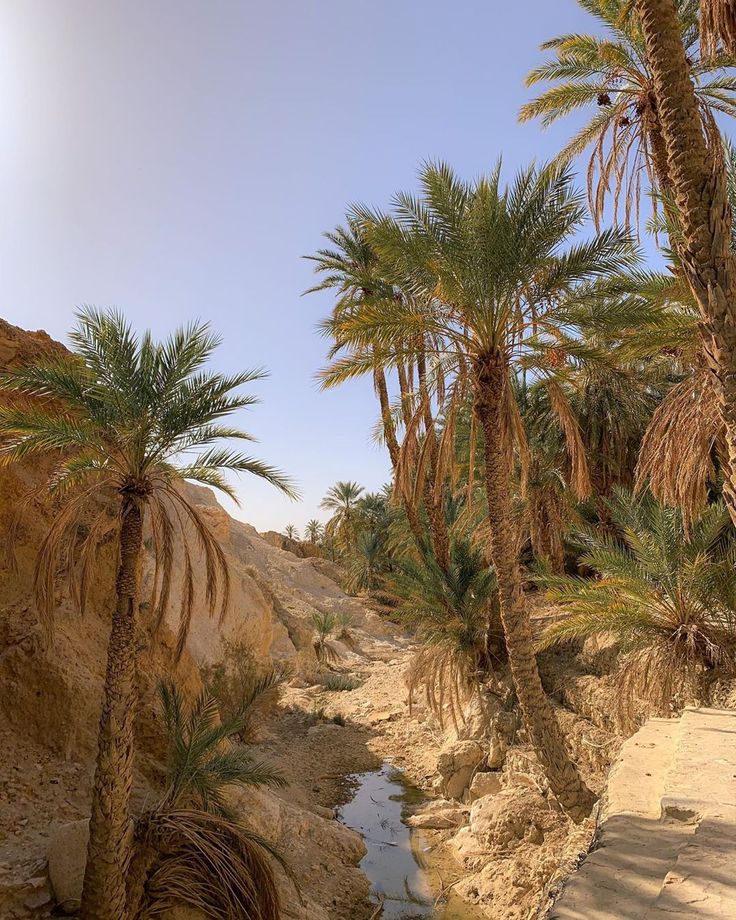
{"type": "Point", "coordinates": [352, 268]}
{"type": "Point", "coordinates": [497, 275]}
{"type": "Point", "coordinates": [342, 499]}
{"type": "Point", "coordinates": [314, 530]}
{"type": "Point", "coordinates": [717, 27]}
{"type": "Point", "coordinates": [667, 594]}
{"type": "Point", "coordinates": [290, 532]}
{"type": "Point", "coordinates": [700, 188]}
{"type": "Point", "coordinates": [191, 848]}
{"type": "Point", "coordinates": [126, 421]}
{"type": "Point", "coordinates": [610, 77]}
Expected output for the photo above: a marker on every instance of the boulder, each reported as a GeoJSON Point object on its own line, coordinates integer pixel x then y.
{"type": "Point", "coordinates": [67, 859]}
{"type": "Point", "coordinates": [484, 784]}
{"type": "Point", "coordinates": [500, 822]}
{"type": "Point", "coordinates": [456, 765]}
{"type": "Point", "coordinates": [437, 820]}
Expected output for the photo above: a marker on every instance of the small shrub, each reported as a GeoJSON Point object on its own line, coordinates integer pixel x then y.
{"type": "Point", "coordinates": [324, 624]}
{"type": "Point", "coordinates": [339, 683]}
{"type": "Point", "coordinates": [190, 849]}
{"type": "Point", "coordinates": [246, 691]}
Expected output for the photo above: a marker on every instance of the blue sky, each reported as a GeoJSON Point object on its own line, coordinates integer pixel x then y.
{"type": "Point", "coordinates": [177, 158]}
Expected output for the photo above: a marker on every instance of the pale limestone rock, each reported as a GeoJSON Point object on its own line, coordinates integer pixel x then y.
{"type": "Point", "coordinates": [67, 859]}
{"type": "Point", "coordinates": [456, 764]}
{"type": "Point", "coordinates": [502, 821]}
{"type": "Point", "coordinates": [484, 784]}
{"type": "Point", "coordinates": [467, 849]}
{"type": "Point", "coordinates": [522, 768]}
{"type": "Point", "coordinates": [437, 820]}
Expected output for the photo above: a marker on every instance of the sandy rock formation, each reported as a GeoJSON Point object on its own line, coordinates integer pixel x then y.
{"type": "Point", "coordinates": [50, 685]}
{"type": "Point", "coordinates": [456, 765]}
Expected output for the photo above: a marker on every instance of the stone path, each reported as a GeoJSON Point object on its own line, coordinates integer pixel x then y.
{"type": "Point", "coordinates": [666, 846]}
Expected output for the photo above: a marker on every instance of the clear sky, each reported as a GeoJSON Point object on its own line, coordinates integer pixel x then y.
{"type": "Point", "coordinates": [177, 158]}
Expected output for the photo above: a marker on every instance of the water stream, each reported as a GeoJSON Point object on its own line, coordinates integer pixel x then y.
{"type": "Point", "coordinates": [395, 862]}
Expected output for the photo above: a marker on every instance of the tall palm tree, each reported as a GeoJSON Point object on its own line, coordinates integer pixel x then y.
{"type": "Point", "coordinates": [701, 193]}
{"type": "Point", "coordinates": [610, 77]}
{"type": "Point", "coordinates": [126, 422]}
{"type": "Point", "coordinates": [352, 268]}
{"type": "Point", "coordinates": [290, 532]}
{"type": "Point", "coordinates": [314, 530]}
{"type": "Point", "coordinates": [342, 500]}
{"type": "Point", "coordinates": [497, 278]}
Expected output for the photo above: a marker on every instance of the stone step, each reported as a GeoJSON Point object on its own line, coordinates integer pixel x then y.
{"type": "Point", "coordinates": [667, 829]}
{"type": "Point", "coordinates": [622, 877]}
{"type": "Point", "coordinates": [636, 782]}
{"type": "Point", "coordinates": [701, 886]}
{"type": "Point", "coordinates": [702, 773]}
{"type": "Point", "coordinates": [700, 792]}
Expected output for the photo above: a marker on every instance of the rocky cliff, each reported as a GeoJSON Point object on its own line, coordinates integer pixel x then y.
{"type": "Point", "coordinates": [50, 686]}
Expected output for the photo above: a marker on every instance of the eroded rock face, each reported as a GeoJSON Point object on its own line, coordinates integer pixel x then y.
{"type": "Point", "coordinates": [502, 821]}
{"type": "Point", "coordinates": [67, 859]}
{"type": "Point", "coordinates": [456, 765]}
{"type": "Point", "coordinates": [485, 784]}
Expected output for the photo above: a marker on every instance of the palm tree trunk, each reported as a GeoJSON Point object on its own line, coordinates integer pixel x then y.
{"type": "Point", "coordinates": [394, 450]}
{"type": "Point", "coordinates": [491, 379]}
{"type": "Point", "coordinates": [108, 852]}
{"type": "Point", "coordinates": [433, 499]}
{"type": "Point", "coordinates": [699, 184]}
{"type": "Point", "coordinates": [142, 861]}
{"type": "Point", "coordinates": [389, 429]}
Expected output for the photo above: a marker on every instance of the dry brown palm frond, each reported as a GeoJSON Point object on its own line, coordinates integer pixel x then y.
{"type": "Point", "coordinates": [406, 469]}
{"type": "Point", "coordinates": [717, 27]}
{"type": "Point", "coordinates": [212, 865]}
{"type": "Point", "coordinates": [449, 681]}
{"type": "Point", "coordinates": [171, 510]}
{"type": "Point", "coordinates": [55, 545]}
{"type": "Point", "coordinates": [580, 473]}
{"type": "Point", "coordinates": [677, 450]}
{"type": "Point", "coordinates": [518, 433]}
{"type": "Point", "coordinates": [445, 454]}
{"type": "Point", "coordinates": [163, 541]}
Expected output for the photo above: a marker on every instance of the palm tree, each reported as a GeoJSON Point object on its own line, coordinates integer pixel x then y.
{"type": "Point", "coordinates": [496, 281]}
{"type": "Point", "coordinates": [342, 500]}
{"type": "Point", "coordinates": [701, 193]}
{"type": "Point", "coordinates": [127, 421]}
{"type": "Point", "coordinates": [190, 849]}
{"type": "Point", "coordinates": [666, 594]}
{"type": "Point", "coordinates": [290, 532]}
{"type": "Point", "coordinates": [450, 612]}
{"type": "Point", "coordinates": [324, 626]}
{"type": "Point", "coordinates": [611, 77]}
{"type": "Point", "coordinates": [353, 269]}
{"type": "Point", "coordinates": [314, 530]}
{"type": "Point", "coordinates": [367, 561]}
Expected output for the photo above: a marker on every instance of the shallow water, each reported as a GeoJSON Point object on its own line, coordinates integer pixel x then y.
{"type": "Point", "coordinates": [396, 870]}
